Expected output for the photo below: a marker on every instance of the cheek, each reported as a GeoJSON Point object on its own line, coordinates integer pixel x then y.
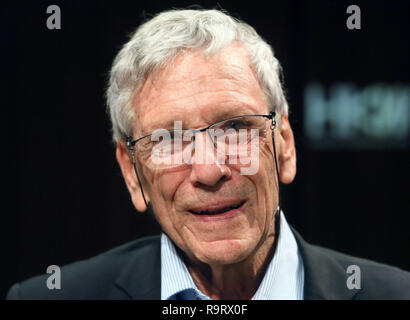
{"type": "Point", "coordinates": [265, 173]}
{"type": "Point", "coordinates": [267, 164]}
{"type": "Point", "coordinates": [166, 185]}
{"type": "Point", "coordinates": [265, 182]}
{"type": "Point", "coordinates": [164, 188]}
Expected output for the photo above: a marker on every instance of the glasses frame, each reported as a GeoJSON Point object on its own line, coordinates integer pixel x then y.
{"type": "Point", "coordinates": [271, 116]}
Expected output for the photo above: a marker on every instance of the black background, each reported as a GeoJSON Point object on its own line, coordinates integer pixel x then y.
{"type": "Point", "coordinates": [63, 197]}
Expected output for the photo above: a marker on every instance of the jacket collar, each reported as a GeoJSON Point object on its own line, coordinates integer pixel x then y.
{"type": "Point", "coordinates": [140, 278]}
{"type": "Point", "coordinates": [325, 277]}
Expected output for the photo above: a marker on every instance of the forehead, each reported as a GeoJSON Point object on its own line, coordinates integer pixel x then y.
{"type": "Point", "coordinates": [199, 90]}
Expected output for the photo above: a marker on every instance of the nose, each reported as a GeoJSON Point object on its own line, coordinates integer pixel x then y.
{"type": "Point", "coordinates": [206, 169]}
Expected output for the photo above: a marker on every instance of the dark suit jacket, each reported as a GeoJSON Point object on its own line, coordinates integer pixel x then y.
{"type": "Point", "coordinates": [133, 271]}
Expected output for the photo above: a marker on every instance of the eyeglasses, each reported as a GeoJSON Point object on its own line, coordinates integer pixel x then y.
{"type": "Point", "coordinates": [247, 123]}
{"type": "Point", "coordinates": [233, 138]}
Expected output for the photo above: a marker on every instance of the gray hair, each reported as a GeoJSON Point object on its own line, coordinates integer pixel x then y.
{"type": "Point", "coordinates": [165, 36]}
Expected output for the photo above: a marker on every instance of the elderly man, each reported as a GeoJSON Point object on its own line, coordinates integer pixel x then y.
{"type": "Point", "coordinates": [202, 136]}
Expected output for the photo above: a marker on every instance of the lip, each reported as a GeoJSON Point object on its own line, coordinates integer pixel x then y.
{"type": "Point", "coordinates": [220, 216]}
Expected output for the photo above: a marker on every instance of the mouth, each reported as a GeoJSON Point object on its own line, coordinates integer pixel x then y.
{"type": "Point", "coordinates": [217, 210]}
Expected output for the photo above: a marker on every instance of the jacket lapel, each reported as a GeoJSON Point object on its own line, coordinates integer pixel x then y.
{"type": "Point", "coordinates": [325, 277]}
{"type": "Point", "coordinates": [140, 278]}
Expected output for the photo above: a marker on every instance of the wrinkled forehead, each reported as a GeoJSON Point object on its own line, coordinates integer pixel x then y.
{"type": "Point", "coordinates": [198, 89]}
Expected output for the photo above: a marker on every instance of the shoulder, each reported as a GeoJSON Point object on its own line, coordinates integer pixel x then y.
{"type": "Point", "coordinates": [375, 280]}
{"type": "Point", "coordinates": [94, 278]}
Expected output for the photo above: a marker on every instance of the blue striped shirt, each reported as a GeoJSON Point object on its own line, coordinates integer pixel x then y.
{"type": "Point", "coordinates": [283, 280]}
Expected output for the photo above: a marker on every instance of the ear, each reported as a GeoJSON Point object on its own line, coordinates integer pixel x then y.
{"type": "Point", "coordinates": [287, 152]}
{"type": "Point", "coordinates": [128, 172]}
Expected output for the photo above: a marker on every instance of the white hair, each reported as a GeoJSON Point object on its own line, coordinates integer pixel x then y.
{"type": "Point", "coordinates": [165, 36]}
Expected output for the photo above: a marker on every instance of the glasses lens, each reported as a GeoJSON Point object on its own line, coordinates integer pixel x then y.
{"type": "Point", "coordinates": [236, 136]}
{"type": "Point", "coordinates": [165, 148]}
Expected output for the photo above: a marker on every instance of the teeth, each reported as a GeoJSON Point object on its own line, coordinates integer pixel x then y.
{"type": "Point", "coordinates": [207, 212]}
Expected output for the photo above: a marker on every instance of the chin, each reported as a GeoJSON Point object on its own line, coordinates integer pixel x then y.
{"type": "Point", "coordinates": [222, 251]}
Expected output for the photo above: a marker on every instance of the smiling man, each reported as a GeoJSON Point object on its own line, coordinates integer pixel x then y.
{"type": "Point", "coordinates": [222, 220]}
{"type": "Point", "coordinates": [202, 136]}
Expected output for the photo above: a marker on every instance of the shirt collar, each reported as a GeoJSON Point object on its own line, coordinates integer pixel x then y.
{"type": "Point", "coordinates": [175, 278]}
{"type": "Point", "coordinates": [283, 279]}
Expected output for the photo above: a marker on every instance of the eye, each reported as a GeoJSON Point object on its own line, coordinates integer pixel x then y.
{"type": "Point", "coordinates": [236, 124]}
{"type": "Point", "coordinates": [161, 136]}
{"type": "Point", "coordinates": [173, 134]}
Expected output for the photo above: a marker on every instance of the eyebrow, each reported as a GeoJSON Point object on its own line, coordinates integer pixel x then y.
{"type": "Point", "coordinates": [168, 125]}
{"type": "Point", "coordinates": [242, 108]}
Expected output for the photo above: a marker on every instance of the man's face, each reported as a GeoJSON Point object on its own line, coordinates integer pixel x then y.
{"type": "Point", "coordinates": [200, 91]}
